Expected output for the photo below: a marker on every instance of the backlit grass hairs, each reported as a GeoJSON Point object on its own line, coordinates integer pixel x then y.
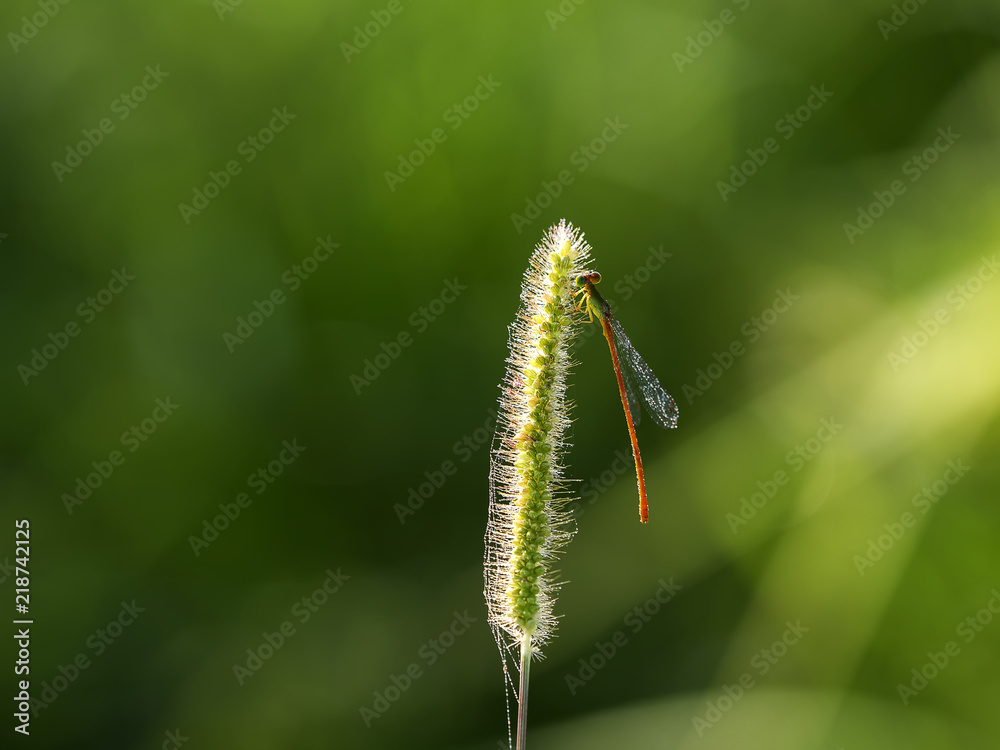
{"type": "Point", "coordinates": [528, 518]}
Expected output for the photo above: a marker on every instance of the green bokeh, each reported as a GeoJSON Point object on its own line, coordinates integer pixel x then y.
{"type": "Point", "coordinates": [652, 187]}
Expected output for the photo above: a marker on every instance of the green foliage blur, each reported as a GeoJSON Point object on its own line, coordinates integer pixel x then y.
{"type": "Point", "coordinates": [326, 209]}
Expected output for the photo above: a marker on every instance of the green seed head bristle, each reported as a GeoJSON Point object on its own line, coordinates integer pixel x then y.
{"type": "Point", "coordinates": [528, 522]}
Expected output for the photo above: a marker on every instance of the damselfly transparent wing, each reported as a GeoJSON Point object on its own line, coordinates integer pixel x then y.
{"type": "Point", "coordinates": [659, 403]}
{"type": "Point", "coordinates": [631, 388]}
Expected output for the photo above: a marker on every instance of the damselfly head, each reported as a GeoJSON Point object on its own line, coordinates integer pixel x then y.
{"type": "Point", "coordinates": [587, 277]}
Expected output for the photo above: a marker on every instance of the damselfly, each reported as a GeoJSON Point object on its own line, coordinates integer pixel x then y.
{"type": "Point", "coordinates": [635, 379]}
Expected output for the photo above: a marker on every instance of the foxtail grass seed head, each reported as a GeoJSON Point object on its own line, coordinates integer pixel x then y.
{"type": "Point", "coordinates": [528, 518]}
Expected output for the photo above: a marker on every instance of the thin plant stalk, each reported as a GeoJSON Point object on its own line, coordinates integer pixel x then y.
{"type": "Point", "coordinates": [522, 692]}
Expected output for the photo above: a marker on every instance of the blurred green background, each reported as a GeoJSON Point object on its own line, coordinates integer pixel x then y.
{"type": "Point", "coordinates": [816, 116]}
